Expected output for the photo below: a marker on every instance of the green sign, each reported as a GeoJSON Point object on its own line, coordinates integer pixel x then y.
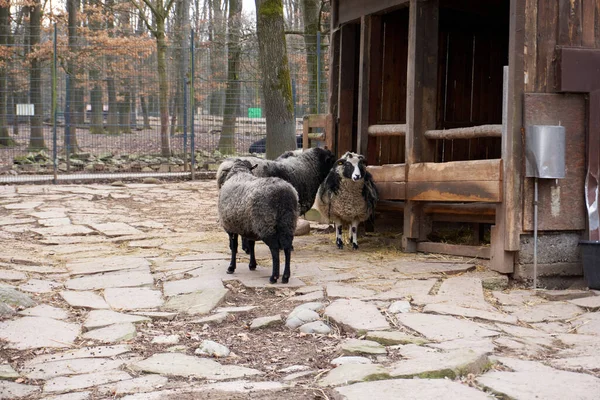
{"type": "Point", "coordinates": [254, 113]}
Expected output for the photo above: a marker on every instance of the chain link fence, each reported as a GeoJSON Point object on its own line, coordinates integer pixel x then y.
{"type": "Point", "coordinates": [87, 107]}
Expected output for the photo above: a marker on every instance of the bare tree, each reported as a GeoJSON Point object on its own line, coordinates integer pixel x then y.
{"type": "Point", "coordinates": [72, 93]}
{"type": "Point", "coordinates": [5, 139]}
{"type": "Point", "coordinates": [160, 11]}
{"type": "Point", "coordinates": [275, 73]}
{"type": "Point", "coordinates": [232, 93]}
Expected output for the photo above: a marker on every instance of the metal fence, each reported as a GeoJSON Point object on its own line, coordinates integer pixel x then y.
{"type": "Point", "coordinates": [86, 108]}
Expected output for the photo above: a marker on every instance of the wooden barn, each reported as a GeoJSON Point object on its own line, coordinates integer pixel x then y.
{"type": "Point", "coordinates": [438, 93]}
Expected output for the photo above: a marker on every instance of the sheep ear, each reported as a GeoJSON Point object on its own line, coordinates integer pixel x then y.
{"type": "Point", "coordinates": [254, 166]}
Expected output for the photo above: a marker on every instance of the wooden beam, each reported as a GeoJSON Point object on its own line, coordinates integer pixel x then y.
{"type": "Point", "coordinates": [363, 84]}
{"type": "Point", "coordinates": [334, 73]}
{"type": "Point", "coordinates": [347, 76]}
{"type": "Point", "coordinates": [387, 130]}
{"type": "Point", "coordinates": [454, 249]}
{"type": "Point", "coordinates": [578, 70]}
{"type": "Point", "coordinates": [391, 190]}
{"type": "Point", "coordinates": [472, 132]}
{"type": "Point", "coordinates": [467, 171]}
{"type": "Point", "coordinates": [460, 209]}
{"type": "Point", "coordinates": [355, 9]}
{"type": "Point", "coordinates": [422, 75]}
{"type": "Point", "coordinates": [485, 191]}
{"type": "Point", "coordinates": [388, 172]}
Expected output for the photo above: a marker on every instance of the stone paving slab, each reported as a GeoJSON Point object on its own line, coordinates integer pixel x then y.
{"type": "Point", "coordinates": [196, 303]}
{"type": "Point", "coordinates": [8, 373]}
{"type": "Point", "coordinates": [588, 324]}
{"type": "Point", "coordinates": [411, 389]}
{"type": "Point", "coordinates": [112, 229]}
{"type": "Point", "coordinates": [83, 381]}
{"type": "Point", "coordinates": [25, 205]}
{"type": "Point", "coordinates": [64, 230]}
{"type": "Point", "coordinates": [54, 222]}
{"type": "Point", "coordinates": [449, 309]}
{"type": "Point", "coordinates": [9, 275]}
{"type": "Point", "coordinates": [553, 311]}
{"type": "Point", "coordinates": [11, 390]}
{"type": "Point", "coordinates": [79, 299]}
{"type": "Point", "coordinates": [101, 318]}
{"type": "Point", "coordinates": [356, 315]}
{"type": "Point", "coordinates": [35, 332]}
{"type": "Point", "coordinates": [84, 395]}
{"type": "Point", "coordinates": [44, 310]}
{"type": "Point", "coordinates": [115, 263]}
{"type": "Point", "coordinates": [39, 286]}
{"type": "Point", "coordinates": [532, 380]}
{"type": "Point", "coordinates": [112, 333]}
{"type": "Point", "coordinates": [346, 374]}
{"type": "Point", "coordinates": [184, 365]}
{"type": "Point", "coordinates": [591, 303]}
{"type": "Point", "coordinates": [84, 352]}
{"type": "Point", "coordinates": [347, 291]}
{"type": "Point", "coordinates": [141, 384]}
{"type": "Point", "coordinates": [442, 327]}
{"type": "Point", "coordinates": [133, 298]}
{"type": "Point", "coordinates": [172, 288]}
{"type": "Point", "coordinates": [53, 369]}
{"type": "Point", "coordinates": [451, 365]}
{"type": "Point", "coordinates": [128, 278]}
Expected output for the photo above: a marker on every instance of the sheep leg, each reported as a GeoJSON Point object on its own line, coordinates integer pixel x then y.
{"type": "Point", "coordinates": [252, 264]}
{"type": "Point", "coordinates": [233, 244]}
{"type": "Point", "coordinates": [286, 271]}
{"type": "Point", "coordinates": [338, 236]}
{"type": "Point", "coordinates": [246, 245]}
{"type": "Point", "coordinates": [354, 233]}
{"type": "Point", "coordinates": [275, 256]}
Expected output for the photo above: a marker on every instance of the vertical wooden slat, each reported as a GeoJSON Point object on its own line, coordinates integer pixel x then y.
{"type": "Point", "coordinates": [588, 11]}
{"type": "Point", "coordinates": [375, 71]}
{"type": "Point", "coordinates": [512, 148]}
{"type": "Point", "coordinates": [547, 32]}
{"type": "Point", "coordinates": [569, 23]}
{"type": "Point", "coordinates": [530, 48]}
{"type": "Point", "coordinates": [364, 84]}
{"type": "Point", "coordinates": [334, 70]}
{"type": "Point", "coordinates": [422, 71]}
{"type": "Point", "coordinates": [347, 76]}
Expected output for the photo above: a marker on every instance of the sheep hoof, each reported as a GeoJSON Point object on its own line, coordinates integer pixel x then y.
{"type": "Point", "coordinates": [273, 279]}
{"type": "Point", "coordinates": [252, 267]}
{"type": "Point", "coordinates": [230, 270]}
{"type": "Point", "coordinates": [354, 246]}
{"type": "Point", "coordinates": [340, 244]}
{"type": "Point", "coordinates": [285, 279]}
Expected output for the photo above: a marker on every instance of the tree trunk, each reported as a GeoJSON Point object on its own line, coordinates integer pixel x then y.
{"type": "Point", "coordinates": [232, 93]}
{"type": "Point", "coordinates": [217, 57]}
{"type": "Point", "coordinates": [72, 95]}
{"type": "Point", "coordinates": [36, 140]}
{"type": "Point", "coordinates": [145, 112]}
{"type": "Point", "coordinates": [275, 77]}
{"type": "Point", "coordinates": [96, 118]}
{"type": "Point", "coordinates": [163, 88]}
{"type": "Point", "coordinates": [112, 119]}
{"type": "Point", "coordinates": [125, 110]}
{"type": "Point", "coordinates": [5, 139]}
{"type": "Point", "coordinates": [310, 16]}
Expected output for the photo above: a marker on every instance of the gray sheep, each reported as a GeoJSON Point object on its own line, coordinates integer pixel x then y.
{"type": "Point", "coordinates": [305, 170]}
{"type": "Point", "coordinates": [347, 196]}
{"type": "Point", "coordinates": [258, 209]}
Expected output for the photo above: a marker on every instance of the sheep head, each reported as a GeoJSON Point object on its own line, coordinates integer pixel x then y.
{"type": "Point", "coordinates": [351, 166]}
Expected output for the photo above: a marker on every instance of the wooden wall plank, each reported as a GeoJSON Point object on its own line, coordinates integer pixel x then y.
{"type": "Point", "coordinates": [547, 25]}
{"type": "Point", "coordinates": [588, 18]}
{"type": "Point", "coordinates": [559, 206]}
{"type": "Point", "coordinates": [458, 191]}
{"type": "Point", "coordinates": [530, 49]}
{"type": "Point", "coordinates": [477, 170]}
{"type": "Point", "coordinates": [569, 23]}
{"type": "Point", "coordinates": [454, 249]}
{"type": "Point", "coordinates": [388, 173]}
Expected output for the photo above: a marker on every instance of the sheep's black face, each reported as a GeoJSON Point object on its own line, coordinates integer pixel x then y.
{"type": "Point", "coordinates": [326, 159]}
{"type": "Point", "coordinates": [352, 166]}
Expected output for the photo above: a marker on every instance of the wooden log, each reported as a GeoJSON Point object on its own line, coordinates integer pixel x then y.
{"type": "Point", "coordinates": [468, 171]}
{"type": "Point", "coordinates": [388, 172]}
{"type": "Point", "coordinates": [387, 130]}
{"type": "Point", "coordinates": [473, 132]}
{"type": "Point", "coordinates": [454, 249]}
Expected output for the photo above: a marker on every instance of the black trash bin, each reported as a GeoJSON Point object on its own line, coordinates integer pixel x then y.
{"type": "Point", "coordinates": [590, 253]}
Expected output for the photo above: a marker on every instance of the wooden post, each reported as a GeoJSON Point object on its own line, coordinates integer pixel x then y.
{"type": "Point", "coordinates": [334, 69]}
{"type": "Point", "coordinates": [346, 98]}
{"type": "Point", "coordinates": [363, 85]}
{"type": "Point", "coordinates": [423, 27]}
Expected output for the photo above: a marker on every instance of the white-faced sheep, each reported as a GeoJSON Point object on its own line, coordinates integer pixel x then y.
{"type": "Point", "coordinates": [305, 170]}
{"type": "Point", "coordinates": [347, 196]}
{"type": "Point", "coordinates": [258, 209]}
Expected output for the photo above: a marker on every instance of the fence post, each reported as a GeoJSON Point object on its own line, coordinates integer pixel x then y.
{"type": "Point", "coordinates": [54, 111]}
{"type": "Point", "coordinates": [192, 143]}
{"type": "Point", "coordinates": [67, 117]}
{"type": "Point", "coordinates": [318, 72]}
{"type": "Point", "coordinates": [185, 111]}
